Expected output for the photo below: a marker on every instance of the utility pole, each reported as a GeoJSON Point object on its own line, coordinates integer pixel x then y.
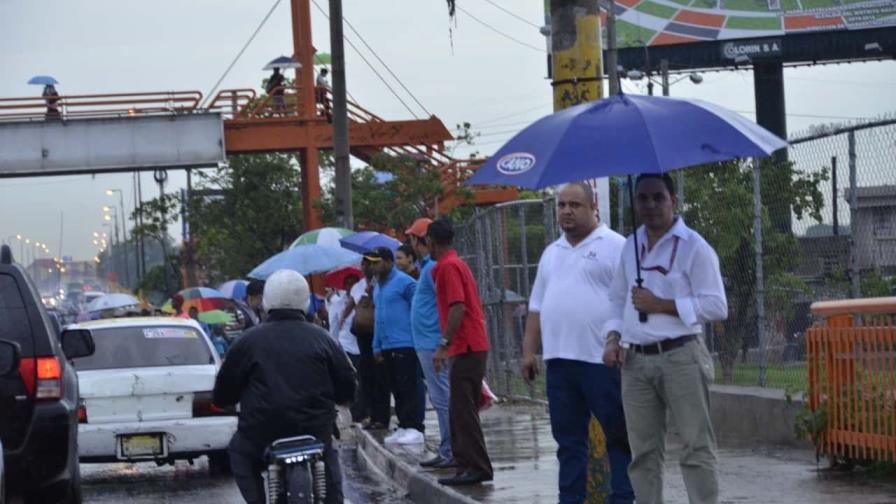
{"type": "Point", "coordinates": [343, 178]}
{"type": "Point", "coordinates": [612, 54]}
{"type": "Point", "coordinates": [577, 75]}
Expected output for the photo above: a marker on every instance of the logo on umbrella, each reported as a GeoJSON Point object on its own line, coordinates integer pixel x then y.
{"type": "Point", "coordinates": [516, 163]}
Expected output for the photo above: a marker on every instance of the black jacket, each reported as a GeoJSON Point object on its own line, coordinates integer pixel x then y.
{"type": "Point", "coordinates": [287, 375]}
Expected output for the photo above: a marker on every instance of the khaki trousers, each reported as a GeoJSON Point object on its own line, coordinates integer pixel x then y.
{"type": "Point", "coordinates": [674, 382]}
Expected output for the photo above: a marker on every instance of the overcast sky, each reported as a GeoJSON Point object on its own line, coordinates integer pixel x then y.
{"type": "Point", "coordinates": [480, 76]}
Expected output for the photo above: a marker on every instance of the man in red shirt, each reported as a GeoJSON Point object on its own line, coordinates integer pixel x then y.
{"type": "Point", "coordinates": [465, 342]}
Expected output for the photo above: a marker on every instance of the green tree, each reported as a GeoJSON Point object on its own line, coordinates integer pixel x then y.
{"type": "Point", "coordinates": [719, 205]}
{"type": "Point", "coordinates": [243, 213]}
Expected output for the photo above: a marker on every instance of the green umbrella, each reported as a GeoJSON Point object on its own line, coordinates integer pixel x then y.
{"type": "Point", "coordinates": [328, 236]}
{"type": "Point", "coordinates": [322, 59]}
{"type": "Point", "coordinates": [216, 317]}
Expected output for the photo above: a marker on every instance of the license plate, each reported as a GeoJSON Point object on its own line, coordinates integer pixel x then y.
{"type": "Point", "coordinates": [142, 446]}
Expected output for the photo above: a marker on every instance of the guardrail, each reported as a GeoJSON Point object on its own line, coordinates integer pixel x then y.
{"type": "Point", "coordinates": [100, 105]}
{"type": "Point", "coordinates": [852, 377]}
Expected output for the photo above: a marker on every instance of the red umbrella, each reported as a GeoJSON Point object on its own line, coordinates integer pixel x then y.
{"type": "Point", "coordinates": [336, 278]}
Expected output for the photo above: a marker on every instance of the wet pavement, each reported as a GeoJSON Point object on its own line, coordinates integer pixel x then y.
{"type": "Point", "coordinates": [523, 454]}
{"type": "Point", "coordinates": [194, 484]}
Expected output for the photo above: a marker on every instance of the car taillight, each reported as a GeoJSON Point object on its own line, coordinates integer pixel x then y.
{"type": "Point", "coordinates": [203, 406]}
{"type": "Point", "coordinates": [82, 413]}
{"type": "Point", "coordinates": [42, 377]}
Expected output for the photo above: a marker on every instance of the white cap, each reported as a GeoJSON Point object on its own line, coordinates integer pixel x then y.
{"type": "Point", "coordinates": [286, 290]}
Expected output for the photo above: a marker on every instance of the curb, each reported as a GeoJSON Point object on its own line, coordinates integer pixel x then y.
{"type": "Point", "coordinates": [375, 458]}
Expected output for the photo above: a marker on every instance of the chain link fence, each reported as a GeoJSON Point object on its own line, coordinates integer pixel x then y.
{"type": "Point", "coordinates": [819, 239]}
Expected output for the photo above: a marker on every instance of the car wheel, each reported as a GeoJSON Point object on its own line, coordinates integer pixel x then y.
{"type": "Point", "coordinates": [219, 462]}
{"type": "Point", "coordinates": [73, 495]}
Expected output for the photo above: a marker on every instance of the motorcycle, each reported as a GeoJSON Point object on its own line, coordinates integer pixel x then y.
{"type": "Point", "coordinates": [296, 473]}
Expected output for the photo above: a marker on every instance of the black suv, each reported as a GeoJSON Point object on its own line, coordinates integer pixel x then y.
{"type": "Point", "coordinates": [39, 404]}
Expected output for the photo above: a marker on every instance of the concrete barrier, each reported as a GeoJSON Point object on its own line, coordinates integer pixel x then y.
{"type": "Point", "coordinates": [755, 414]}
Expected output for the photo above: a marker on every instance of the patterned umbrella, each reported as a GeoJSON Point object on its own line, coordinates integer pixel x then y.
{"type": "Point", "coordinates": [203, 298]}
{"type": "Point", "coordinates": [234, 289]}
{"type": "Point", "coordinates": [328, 236]}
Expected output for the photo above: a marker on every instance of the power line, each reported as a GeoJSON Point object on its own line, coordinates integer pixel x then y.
{"type": "Point", "coordinates": [377, 56]}
{"type": "Point", "coordinates": [530, 23]}
{"type": "Point", "coordinates": [239, 54]}
{"type": "Point", "coordinates": [508, 116]}
{"type": "Point", "coordinates": [499, 32]}
{"type": "Point", "coordinates": [391, 90]}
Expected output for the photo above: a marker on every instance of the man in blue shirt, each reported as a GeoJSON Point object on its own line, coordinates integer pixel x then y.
{"type": "Point", "coordinates": [393, 343]}
{"type": "Point", "coordinates": [427, 335]}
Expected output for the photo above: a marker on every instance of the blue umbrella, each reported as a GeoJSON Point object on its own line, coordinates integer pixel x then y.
{"type": "Point", "coordinates": [365, 241]}
{"type": "Point", "coordinates": [624, 135]}
{"type": "Point", "coordinates": [306, 260]}
{"type": "Point", "coordinates": [234, 289]}
{"type": "Point", "coordinates": [282, 62]}
{"type": "Point", "coordinates": [43, 80]}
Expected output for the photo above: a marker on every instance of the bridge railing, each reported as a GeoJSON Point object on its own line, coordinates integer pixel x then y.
{"type": "Point", "coordinates": [852, 377]}
{"type": "Point", "coordinates": [100, 105]}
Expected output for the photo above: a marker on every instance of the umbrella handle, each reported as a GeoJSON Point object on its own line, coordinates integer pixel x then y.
{"type": "Point", "coordinates": [642, 317]}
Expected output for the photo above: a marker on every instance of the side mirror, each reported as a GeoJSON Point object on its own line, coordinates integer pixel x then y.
{"type": "Point", "coordinates": [10, 356]}
{"type": "Point", "coordinates": [77, 343]}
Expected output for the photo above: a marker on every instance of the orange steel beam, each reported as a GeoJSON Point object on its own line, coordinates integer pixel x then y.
{"type": "Point", "coordinates": [243, 136]}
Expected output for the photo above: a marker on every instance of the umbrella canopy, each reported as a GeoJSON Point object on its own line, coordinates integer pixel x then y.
{"type": "Point", "coordinates": [203, 298]}
{"type": "Point", "coordinates": [234, 289]}
{"type": "Point", "coordinates": [201, 293]}
{"type": "Point", "coordinates": [43, 80]}
{"type": "Point", "coordinates": [365, 241]}
{"type": "Point", "coordinates": [111, 301]}
{"type": "Point", "coordinates": [282, 62]}
{"type": "Point", "coordinates": [329, 236]}
{"type": "Point", "coordinates": [216, 317]}
{"type": "Point", "coordinates": [336, 278]}
{"type": "Point", "coordinates": [306, 260]}
{"type": "Point", "coordinates": [624, 135]}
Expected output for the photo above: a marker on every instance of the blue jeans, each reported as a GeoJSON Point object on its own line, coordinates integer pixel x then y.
{"type": "Point", "coordinates": [439, 392]}
{"type": "Point", "coordinates": [576, 391]}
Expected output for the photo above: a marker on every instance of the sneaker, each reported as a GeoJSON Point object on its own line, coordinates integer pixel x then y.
{"type": "Point", "coordinates": [410, 437]}
{"type": "Point", "coordinates": [393, 438]}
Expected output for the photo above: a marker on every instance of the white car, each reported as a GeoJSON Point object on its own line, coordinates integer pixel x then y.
{"type": "Point", "coordinates": [146, 393]}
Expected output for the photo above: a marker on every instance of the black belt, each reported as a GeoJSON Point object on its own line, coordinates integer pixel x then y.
{"type": "Point", "coordinates": [663, 346]}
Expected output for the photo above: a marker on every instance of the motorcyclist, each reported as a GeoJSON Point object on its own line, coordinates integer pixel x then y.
{"type": "Point", "coordinates": [287, 375]}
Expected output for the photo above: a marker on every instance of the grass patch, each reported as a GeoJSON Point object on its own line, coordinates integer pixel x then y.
{"type": "Point", "coordinates": [747, 5]}
{"type": "Point", "coordinates": [683, 3]}
{"type": "Point", "coordinates": [792, 5]}
{"type": "Point", "coordinates": [658, 10]}
{"type": "Point", "coordinates": [747, 374]}
{"type": "Point", "coordinates": [705, 4]}
{"type": "Point", "coordinates": [631, 35]}
{"type": "Point", "coordinates": [818, 4]}
{"type": "Point", "coordinates": [753, 23]}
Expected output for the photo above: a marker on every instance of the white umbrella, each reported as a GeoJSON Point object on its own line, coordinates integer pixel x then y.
{"type": "Point", "coordinates": [112, 301]}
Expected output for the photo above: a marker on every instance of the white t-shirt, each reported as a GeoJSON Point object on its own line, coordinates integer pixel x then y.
{"type": "Point", "coordinates": [570, 295]}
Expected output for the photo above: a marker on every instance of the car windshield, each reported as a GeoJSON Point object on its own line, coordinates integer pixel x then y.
{"type": "Point", "coordinates": [146, 346]}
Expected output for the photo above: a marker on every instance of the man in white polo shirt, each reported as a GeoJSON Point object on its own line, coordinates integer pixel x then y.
{"type": "Point", "coordinates": [666, 369]}
{"type": "Point", "coordinates": [567, 310]}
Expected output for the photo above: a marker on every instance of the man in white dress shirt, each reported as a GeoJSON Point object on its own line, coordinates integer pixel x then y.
{"type": "Point", "coordinates": [666, 367]}
{"type": "Point", "coordinates": [567, 311]}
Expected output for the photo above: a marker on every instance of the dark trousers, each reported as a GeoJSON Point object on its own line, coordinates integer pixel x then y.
{"type": "Point", "coordinates": [247, 464]}
{"type": "Point", "coordinates": [576, 391]}
{"type": "Point", "coordinates": [360, 408]}
{"type": "Point", "coordinates": [467, 441]}
{"type": "Point", "coordinates": [406, 384]}
{"type": "Point", "coordinates": [374, 382]}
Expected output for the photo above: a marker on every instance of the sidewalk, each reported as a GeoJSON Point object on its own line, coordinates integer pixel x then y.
{"type": "Point", "coordinates": [523, 454]}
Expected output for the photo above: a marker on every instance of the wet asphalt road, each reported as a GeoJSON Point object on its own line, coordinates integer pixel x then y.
{"type": "Point", "coordinates": [183, 483]}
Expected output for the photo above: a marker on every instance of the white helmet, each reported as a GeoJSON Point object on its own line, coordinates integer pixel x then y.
{"type": "Point", "coordinates": [286, 290]}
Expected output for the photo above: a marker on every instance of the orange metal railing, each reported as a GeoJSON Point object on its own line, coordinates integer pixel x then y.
{"type": "Point", "coordinates": [101, 105]}
{"type": "Point", "coordinates": [852, 377]}
{"type": "Point", "coordinates": [231, 101]}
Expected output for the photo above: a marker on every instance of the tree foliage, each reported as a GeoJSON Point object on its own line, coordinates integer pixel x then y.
{"type": "Point", "coordinates": [719, 205]}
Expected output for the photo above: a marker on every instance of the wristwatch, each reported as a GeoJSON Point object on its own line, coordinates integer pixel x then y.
{"type": "Point", "coordinates": [443, 342]}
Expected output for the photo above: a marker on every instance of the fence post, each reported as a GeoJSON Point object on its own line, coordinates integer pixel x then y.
{"type": "Point", "coordinates": [853, 213]}
{"type": "Point", "coordinates": [760, 280]}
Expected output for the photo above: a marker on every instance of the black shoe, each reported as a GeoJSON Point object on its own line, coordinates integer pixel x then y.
{"type": "Point", "coordinates": [446, 464]}
{"type": "Point", "coordinates": [466, 478]}
{"type": "Point", "coordinates": [433, 462]}
{"type": "Point", "coordinates": [374, 426]}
